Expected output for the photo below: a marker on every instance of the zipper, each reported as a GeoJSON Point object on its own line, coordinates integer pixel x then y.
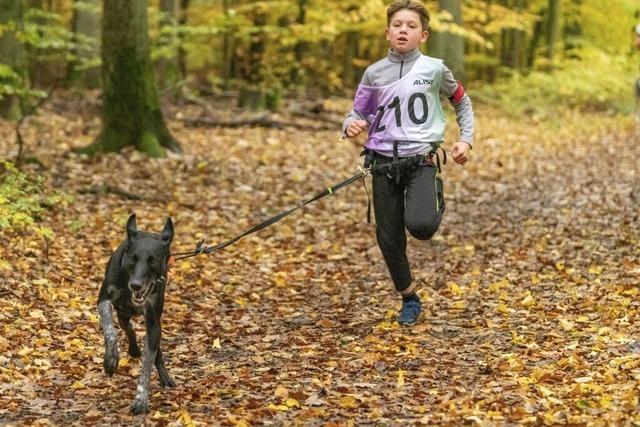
{"type": "Point", "coordinates": [401, 66]}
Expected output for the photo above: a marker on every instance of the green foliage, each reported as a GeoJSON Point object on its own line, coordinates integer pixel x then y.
{"type": "Point", "coordinates": [23, 199]}
{"type": "Point", "coordinates": [13, 84]}
{"type": "Point", "coordinates": [605, 85]}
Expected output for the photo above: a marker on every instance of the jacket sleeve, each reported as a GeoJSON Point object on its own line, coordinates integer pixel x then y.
{"type": "Point", "coordinates": [453, 90]}
{"type": "Point", "coordinates": [359, 111]}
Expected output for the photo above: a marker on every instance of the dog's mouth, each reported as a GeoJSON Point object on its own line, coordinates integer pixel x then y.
{"type": "Point", "coordinates": [140, 297]}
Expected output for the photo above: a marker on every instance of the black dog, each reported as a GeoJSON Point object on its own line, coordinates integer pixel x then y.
{"type": "Point", "coordinates": [134, 283]}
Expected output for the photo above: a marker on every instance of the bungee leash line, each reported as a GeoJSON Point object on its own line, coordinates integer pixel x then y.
{"type": "Point", "coordinates": [202, 249]}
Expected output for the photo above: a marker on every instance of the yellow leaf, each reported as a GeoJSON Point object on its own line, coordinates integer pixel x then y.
{"type": "Point", "coordinates": [37, 314]}
{"type": "Point", "coordinates": [455, 289]}
{"type": "Point", "coordinates": [216, 343]}
{"type": "Point", "coordinates": [459, 305]}
{"type": "Point", "coordinates": [595, 269]}
{"type": "Point", "coordinates": [274, 407]}
{"type": "Point", "coordinates": [545, 391]}
{"type": "Point", "coordinates": [280, 278]}
{"type": "Point", "coordinates": [348, 402]}
{"type": "Point", "coordinates": [185, 418]}
{"type": "Point", "coordinates": [400, 383]}
{"type": "Point", "coordinates": [291, 403]}
{"type": "Point", "coordinates": [567, 325]}
{"type": "Point", "coordinates": [77, 385]}
{"type": "Point", "coordinates": [496, 286]}
{"type": "Point", "coordinates": [560, 265]}
{"type": "Point", "coordinates": [201, 166]}
{"type": "Point", "coordinates": [281, 392]}
{"type": "Point", "coordinates": [25, 351]}
{"type": "Point", "coordinates": [502, 308]}
{"type": "Point", "coordinates": [528, 301]}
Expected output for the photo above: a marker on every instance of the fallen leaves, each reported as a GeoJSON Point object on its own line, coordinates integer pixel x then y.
{"type": "Point", "coordinates": [529, 288]}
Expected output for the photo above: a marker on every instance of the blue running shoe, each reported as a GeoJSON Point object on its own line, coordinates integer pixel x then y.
{"type": "Point", "coordinates": [410, 312]}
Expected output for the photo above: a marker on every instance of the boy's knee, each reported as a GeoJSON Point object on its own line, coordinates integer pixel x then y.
{"type": "Point", "coordinates": [423, 230]}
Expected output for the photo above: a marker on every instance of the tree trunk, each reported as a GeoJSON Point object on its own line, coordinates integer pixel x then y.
{"type": "Point", "coordinates": [535, 40]}
{"type": "Point", "coordinates": [511, 53]}
{"type": "Point", "coordinates": [12, 54]}
{"type": "Point", "coordinates": [447, 46]}
{"type": "Point", "coordinates": [573, 30]}
{"type": "Point", "coordinates": [182, 54]}
{"type": "Point", "coordinates": [552, 27]}
{"type": "Point", "coordinates": [168, 68]}
{"type": "Point", "coordinates": [227, 50]}
{"type": "Point", "coordinates": [300, 47]}
{"type": "Point", "coordinates": [351, 52]}
{"type": "Point", "coordinates": [252, 94]}
{"type": "Point", "coordinates": [131, 107]}
{"type": "Point", "coordinates": [86, 25]}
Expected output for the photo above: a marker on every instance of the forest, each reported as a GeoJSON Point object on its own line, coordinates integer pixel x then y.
{"type": "Point", "coordinates": [227, 117]}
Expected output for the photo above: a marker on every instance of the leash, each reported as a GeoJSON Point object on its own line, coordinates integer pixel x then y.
{"type": "Point", "coordinates": [202, 249]}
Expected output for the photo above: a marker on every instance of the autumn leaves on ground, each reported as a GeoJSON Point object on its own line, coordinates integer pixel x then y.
{"type": "Point", "coordinates": [530, 287]}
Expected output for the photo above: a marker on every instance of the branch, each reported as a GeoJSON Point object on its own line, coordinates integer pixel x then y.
{"type": "Point", "coordinates": [109, 189]}
{"type": "Point", "coordinates": [26, 113]}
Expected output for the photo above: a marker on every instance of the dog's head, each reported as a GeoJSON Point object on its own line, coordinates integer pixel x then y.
{"type": "Point", "coordinates": [145, 259]}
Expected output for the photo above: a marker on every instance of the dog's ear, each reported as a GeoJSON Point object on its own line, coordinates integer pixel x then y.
{"type": "Point", "coordinates": [167, 231]}
{"type": "Point", "coordinates": [132, 229]}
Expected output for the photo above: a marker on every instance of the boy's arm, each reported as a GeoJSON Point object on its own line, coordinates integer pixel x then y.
{"type": "Point", "coordinates": [454, 91]}
{"type": "Point", "coordinates": [353, 114]}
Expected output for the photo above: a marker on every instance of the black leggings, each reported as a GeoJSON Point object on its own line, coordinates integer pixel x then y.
{"type": "Point", "coordinates": [417, 203]}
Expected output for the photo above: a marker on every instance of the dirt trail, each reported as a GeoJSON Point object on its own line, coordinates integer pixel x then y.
{"type": "Point", "coordinates": [530, 287]}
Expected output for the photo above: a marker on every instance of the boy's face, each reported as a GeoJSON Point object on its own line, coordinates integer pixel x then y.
{"type": "Point", "coordinates": [405, 31]}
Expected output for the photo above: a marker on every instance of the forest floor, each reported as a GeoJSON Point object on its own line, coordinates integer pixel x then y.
{"type": "Point", "coordinates": [530, 287]}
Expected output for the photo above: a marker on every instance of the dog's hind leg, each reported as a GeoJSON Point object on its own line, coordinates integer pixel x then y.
{"type": "Point", "coordinates": [125, 324]}
{"type": "Point", "coordinates": [111, 352]}
{"type": "Point", "coordinates": [165, 379]}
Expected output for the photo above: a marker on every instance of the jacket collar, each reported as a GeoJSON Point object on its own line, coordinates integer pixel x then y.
{"type": "Point", "coordinates": [412, 55]}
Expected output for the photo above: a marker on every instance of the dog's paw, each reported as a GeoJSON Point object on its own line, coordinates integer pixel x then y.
{"type": "Point", "coordinates": [167, 381]}
{"type": "Point", "coordinates": [134, 351]}
{"type": "Point", "coordinates": [140, 406]}
{"type": "Point", "coordinates": [111, 358]}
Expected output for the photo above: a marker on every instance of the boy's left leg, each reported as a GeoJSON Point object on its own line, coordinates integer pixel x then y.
{"type": "Point", "coordinates": [424, 202]}
{"type": "Point", "coordinates": [424, 206]}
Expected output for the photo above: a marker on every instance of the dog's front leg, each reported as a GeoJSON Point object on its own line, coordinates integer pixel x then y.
{"type": "Point", "coordinates": [151, 345]}
{"type": "Point", "coordinates": [111, 352]}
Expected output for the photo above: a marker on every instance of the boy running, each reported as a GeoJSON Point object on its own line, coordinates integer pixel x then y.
{"type": "Point", "coordinates": [398, 100]}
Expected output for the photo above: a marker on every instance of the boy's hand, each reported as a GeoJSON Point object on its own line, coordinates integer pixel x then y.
{"type": "Point", "coordinates": [355, 127]}
{"type": "Point", "coordinates": [459, 152]}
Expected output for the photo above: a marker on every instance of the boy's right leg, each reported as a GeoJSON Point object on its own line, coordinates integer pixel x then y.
{"type": "Point", "coordinates": [388, 202]}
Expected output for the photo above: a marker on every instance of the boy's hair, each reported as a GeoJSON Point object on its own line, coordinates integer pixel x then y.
{"type": "Point", "coordinates": [412, 5]}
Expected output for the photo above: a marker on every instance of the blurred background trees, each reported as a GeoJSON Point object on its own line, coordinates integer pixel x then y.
{"type": "Point", "coordinates": [527, 53]}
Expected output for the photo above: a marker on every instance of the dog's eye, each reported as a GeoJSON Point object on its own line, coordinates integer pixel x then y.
{"type": "Point", "coordinates": [151, 261]}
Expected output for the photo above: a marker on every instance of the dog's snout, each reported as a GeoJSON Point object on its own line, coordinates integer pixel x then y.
{"type": "Point", "coordinates": [135, 285]}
